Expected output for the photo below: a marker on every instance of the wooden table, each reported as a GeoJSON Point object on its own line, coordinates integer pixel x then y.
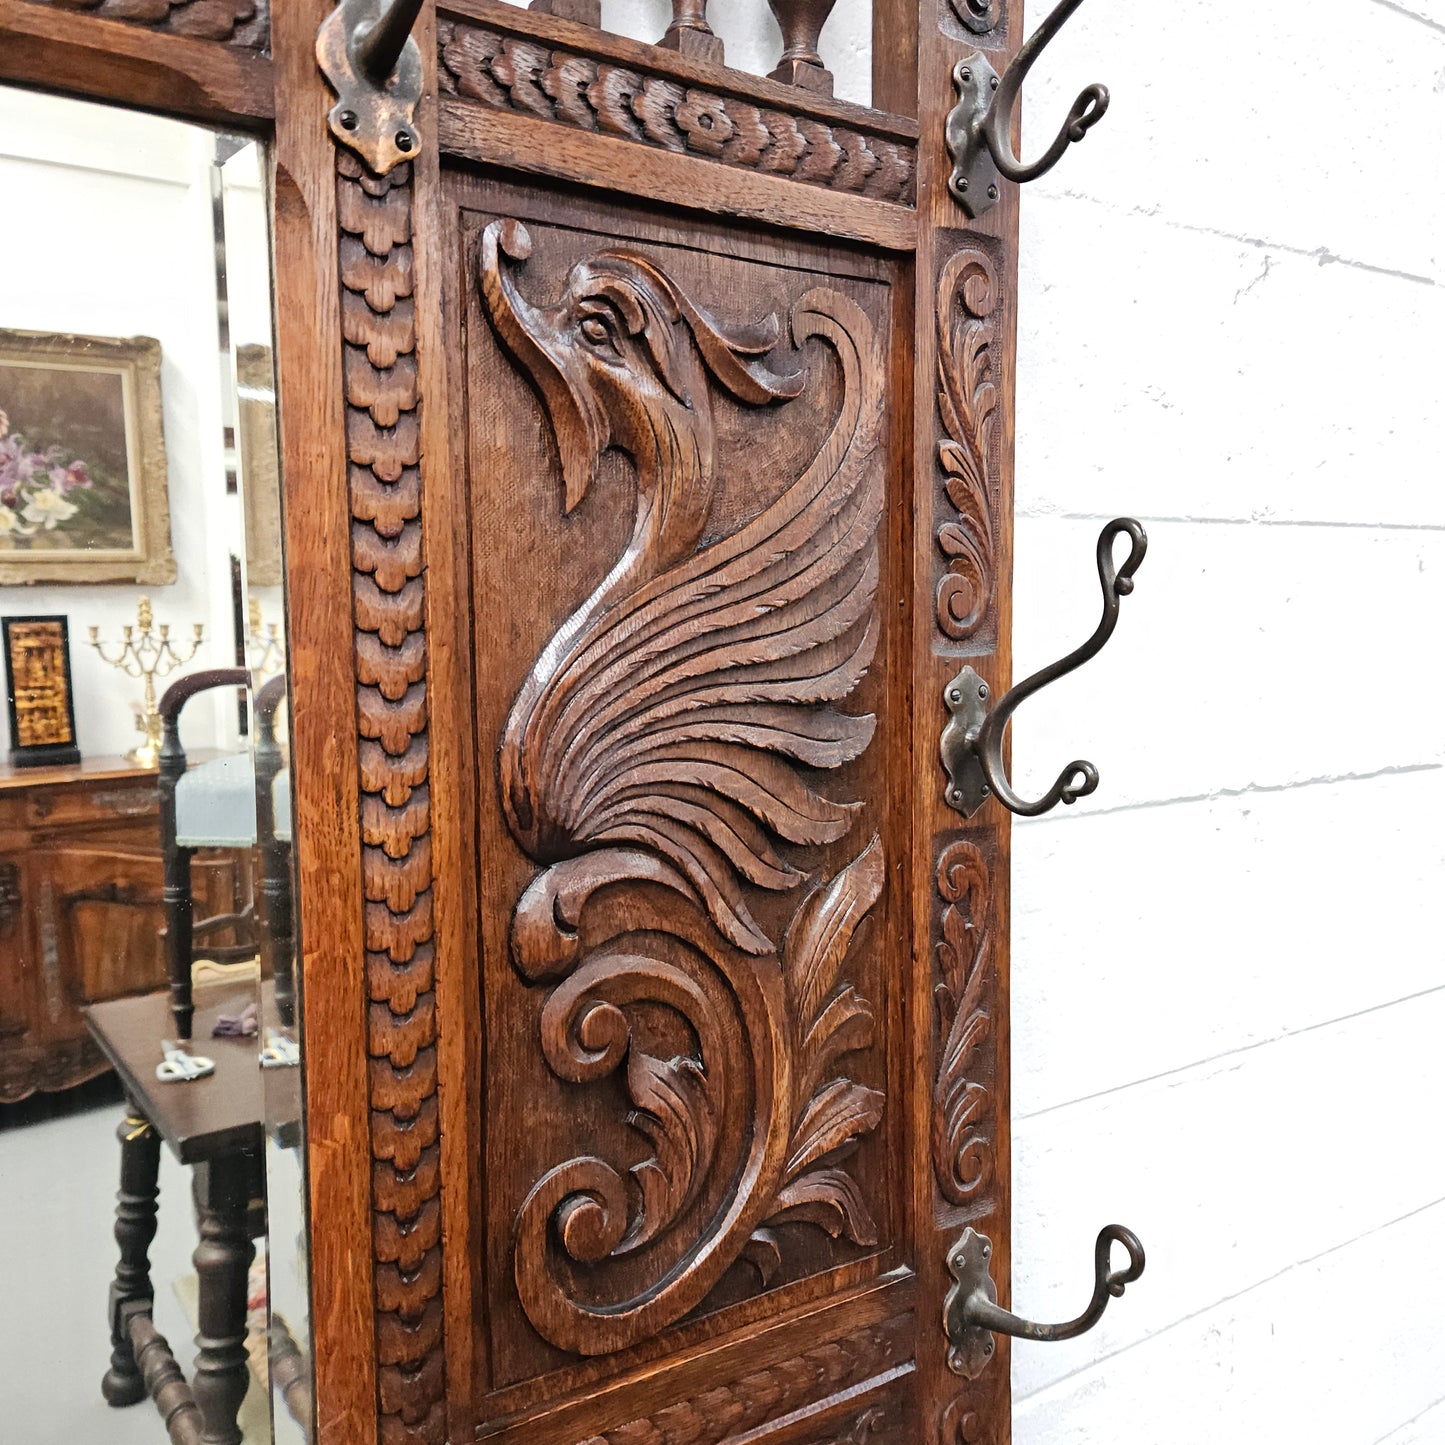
{"type": "Point", "coordinates": [218, 1125]}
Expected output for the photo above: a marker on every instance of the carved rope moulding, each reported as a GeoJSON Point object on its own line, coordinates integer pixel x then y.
{"type": "Point", "coordinates": [384, 454]}
{"type": "Point", "coordinates": [659, 740]}
{"type": "Point", "coordinates": [240, 22]}
{"type": "Point", "coordinates": [768, 1394]}
{"type": "Point", "coordinates": [507, 73]}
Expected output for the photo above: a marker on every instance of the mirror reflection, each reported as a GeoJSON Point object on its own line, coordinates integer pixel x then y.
{"type": "Point", "coordinates": [151, 1135]}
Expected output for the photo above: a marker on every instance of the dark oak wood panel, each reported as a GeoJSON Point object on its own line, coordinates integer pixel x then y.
{"type": "Point", "coordinates": [723, 1078]}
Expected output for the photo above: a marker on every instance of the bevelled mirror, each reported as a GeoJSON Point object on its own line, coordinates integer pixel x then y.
{"type": "Point", "coordinates": [151, 1132]}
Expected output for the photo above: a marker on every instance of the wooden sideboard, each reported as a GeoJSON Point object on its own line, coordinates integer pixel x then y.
{"type": "Point", "coordinates": [80, 911]}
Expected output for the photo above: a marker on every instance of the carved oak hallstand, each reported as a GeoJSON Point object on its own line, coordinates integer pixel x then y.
{"type": "Point", "coordinates": [647, 431]}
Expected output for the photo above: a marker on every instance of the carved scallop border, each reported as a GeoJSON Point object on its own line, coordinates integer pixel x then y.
{"type": "Point", "coordinates": [383, 440]}
{"type": "Point", "coordinates": [242, 23]}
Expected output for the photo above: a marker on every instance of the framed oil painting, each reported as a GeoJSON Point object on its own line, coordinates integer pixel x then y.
{"type": "Point", "coordinates": [38, 691]}
{"type": "Point", "coordinates": [82, 460]}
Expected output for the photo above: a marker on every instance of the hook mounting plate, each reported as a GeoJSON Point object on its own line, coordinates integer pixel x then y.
{"type": "Point", "coordinates": [966, 698]}
{"type": "Point", "coordinates": [974, 183]}
{"type": "Point", "coordinates": [970, 1346]}
{"type": "Point", "coordinates": [377, 121]}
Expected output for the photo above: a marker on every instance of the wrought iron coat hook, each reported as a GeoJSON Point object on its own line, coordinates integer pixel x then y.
{"type": "Point", "coordinates": [977, 132]}
{"type": "Point", "coordinates": [366, 52]}
{"type": "Point", "coordinates": [972, 743]}
{"type": "Point", "coordinates": [972, 1316]}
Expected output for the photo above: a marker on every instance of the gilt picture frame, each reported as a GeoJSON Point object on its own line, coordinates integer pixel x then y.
{"type": "Point", "coordinates": [83, 486]}
{"type": "Point", "coordinates": [38, 692]}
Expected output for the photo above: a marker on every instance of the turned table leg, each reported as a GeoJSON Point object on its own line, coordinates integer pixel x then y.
{"type": "Point", "coordinates": [135, 1228]}
{"type": "Point", "coordinates": [222, 1260]}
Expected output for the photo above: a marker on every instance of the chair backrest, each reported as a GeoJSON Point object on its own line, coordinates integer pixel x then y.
{"type": "Point", "coordinates": [181, 927]}
{"type": "Point", "coordinates": [277, 954]}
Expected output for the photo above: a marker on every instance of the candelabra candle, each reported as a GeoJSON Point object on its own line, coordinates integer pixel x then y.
{"type": "Point", "coordinates": [265, 647]}
{"type": "Point", "coordinates": [146, 651]}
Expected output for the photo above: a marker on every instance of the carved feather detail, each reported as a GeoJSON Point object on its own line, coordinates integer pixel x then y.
{"type": "Point", "coordinates": [670, 714]}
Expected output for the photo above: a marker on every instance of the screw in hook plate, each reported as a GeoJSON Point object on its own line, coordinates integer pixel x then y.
{"type": "Point", "coordinates": [404, 141]}
{"type": "Point", "coordinates": [993, 193]}
{"type": "Point", "coordinates": [347, 120]}
{"type": "Point", "coordinates": [983, 689]}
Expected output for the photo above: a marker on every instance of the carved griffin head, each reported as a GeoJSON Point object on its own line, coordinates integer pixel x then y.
{"type": "Point", "coordinates": [623, 359]}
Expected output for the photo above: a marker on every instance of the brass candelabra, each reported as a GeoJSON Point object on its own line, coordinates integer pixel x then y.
{"type": "Point", "coordinates": [265, 646]}
{"type": "Point", "coordinates": [146, 651]}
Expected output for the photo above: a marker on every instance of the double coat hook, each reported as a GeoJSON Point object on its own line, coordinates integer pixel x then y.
{"type": "Point", "coordinates": [366, 52]}
{"type": "Point", "coordinates": [972, 1315]}
{"type": "Point", "coordinates": [977, 133]}
{"type": "Point", "coordinates": [972, 744]}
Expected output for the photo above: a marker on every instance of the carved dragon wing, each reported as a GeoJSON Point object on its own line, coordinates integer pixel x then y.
{"type": "Point", "coordinates": [679, 722]}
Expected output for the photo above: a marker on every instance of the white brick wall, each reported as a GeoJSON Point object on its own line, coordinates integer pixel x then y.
{"type": "Point", "coordinates": [1229, 975]}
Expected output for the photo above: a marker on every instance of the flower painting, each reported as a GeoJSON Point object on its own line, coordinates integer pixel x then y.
{"type": "Point", "coordinates": [82, 460]}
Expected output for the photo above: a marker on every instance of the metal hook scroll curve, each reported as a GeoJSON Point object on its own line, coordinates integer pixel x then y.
{"type": "Point", "coordinates": [977, 130]}
{"type": "Point", "coordinates": [972, 744]}
{"type": "Point", "coordinates": [366, 51]}
{"type": "Point", "coordinates": [972, 1315]}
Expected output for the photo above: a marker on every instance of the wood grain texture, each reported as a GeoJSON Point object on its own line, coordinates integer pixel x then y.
{"type": "Point", "coordinates": [965, 282]}
{"type": "Point", "coordinates": [321, 649]}
{"type": "Point", "coordinates": [734, 1409]}
{"type": "Point", "coordinates": [589, 92]}
{"type": "Point", "coordinates": [237, 22]}
{"type": "Point", "coordinates": [374, 216]}
{"type": "Point", "coordinates": [658, 741]}
{"type": "Point", "coordinates": [76, 52]}
{"type": "Point", "coordinates": [963, 1122]}
{"type": "Point", "coordinates": [967, 298]}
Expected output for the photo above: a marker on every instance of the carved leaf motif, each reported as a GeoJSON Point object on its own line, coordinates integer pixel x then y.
{"type": "Point", "coordinates": [962, 1152]}
{"type": "Point", "coordinates": [675, 1111]}
{"type": "Point", "coordinates": [829, 1198]}
{"type": "Point", "coordinates": [829, 1019]}
{"type": "Point", "coordinates": [967, 403]}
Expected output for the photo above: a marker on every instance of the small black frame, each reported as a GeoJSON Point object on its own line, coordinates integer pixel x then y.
{"type": "Point", "coordinates": [24, 694]}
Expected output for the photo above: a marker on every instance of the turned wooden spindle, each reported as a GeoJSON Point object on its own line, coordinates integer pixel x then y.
{"type": "Point", "coordinates": [688, 32]}
{"type": "Point", "coordinates": [801, 22]}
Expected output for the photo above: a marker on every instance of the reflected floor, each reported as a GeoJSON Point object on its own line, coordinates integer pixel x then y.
{"type": "Point", "coordinates": [59, 1163]}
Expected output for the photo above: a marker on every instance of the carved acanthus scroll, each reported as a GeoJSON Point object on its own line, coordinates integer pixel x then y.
{"type": "Point", "coordinates": [962, 1124]}
{"type": "Point", "coordinates": [660, 739]}
{"type": "Point", "coordinates": [967, 401]}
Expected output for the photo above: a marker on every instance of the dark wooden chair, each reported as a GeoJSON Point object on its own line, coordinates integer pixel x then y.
{"type": "Point", "coordinates": [215, 1124]}
{"type": "Point", "coordinates": [229, 937]}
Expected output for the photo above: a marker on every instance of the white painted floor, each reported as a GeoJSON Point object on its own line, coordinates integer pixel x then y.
{"type": "Point", "coordinates": [58, 1178]}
